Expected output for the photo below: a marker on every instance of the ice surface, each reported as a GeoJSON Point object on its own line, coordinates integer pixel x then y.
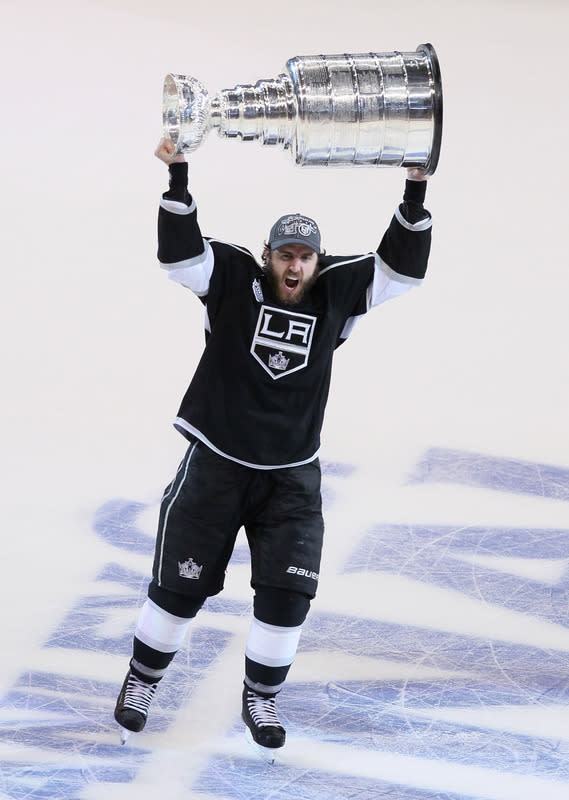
{"type": "Point", "coordinates": [435, 662]}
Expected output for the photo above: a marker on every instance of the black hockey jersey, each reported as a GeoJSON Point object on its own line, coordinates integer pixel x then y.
{"type": "Point", "coordinates": [259, 392]}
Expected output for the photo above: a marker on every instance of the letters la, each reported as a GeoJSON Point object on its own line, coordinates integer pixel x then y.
{"type": "Point", "coordinates": [282, 340]}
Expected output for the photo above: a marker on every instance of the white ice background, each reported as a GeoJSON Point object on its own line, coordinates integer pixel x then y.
{"type": "Point", "coordinates": [436, 664]}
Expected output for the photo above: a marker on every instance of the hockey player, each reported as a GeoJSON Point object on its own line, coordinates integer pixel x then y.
{"type": "Point", "coordinates": [252, 415]}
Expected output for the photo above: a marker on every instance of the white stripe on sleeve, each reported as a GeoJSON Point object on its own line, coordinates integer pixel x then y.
{"type": "Point", "coordinates": [177, 207]}
{"type": "Point", "coordinates": [193, 273]}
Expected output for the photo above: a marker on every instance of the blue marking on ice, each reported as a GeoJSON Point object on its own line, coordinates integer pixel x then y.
{"type": "Point", "coordinates": [425, 719]}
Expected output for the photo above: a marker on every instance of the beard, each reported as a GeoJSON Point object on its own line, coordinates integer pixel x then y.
{"type": "Point", "coordinates": [275, 284]}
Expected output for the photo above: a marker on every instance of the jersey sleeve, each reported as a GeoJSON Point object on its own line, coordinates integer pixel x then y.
{"type": "Point", "coordinates": [405, 247]}
{"type": "Point", "coordinates": [400, 261]}
{"type": "Point", "coordinates": [182, 250]}
{"type": "Point", "coordinates": [403, 254]}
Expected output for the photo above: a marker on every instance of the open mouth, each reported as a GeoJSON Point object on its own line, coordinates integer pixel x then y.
{"type": "Point", "coordinates": [291, 283]}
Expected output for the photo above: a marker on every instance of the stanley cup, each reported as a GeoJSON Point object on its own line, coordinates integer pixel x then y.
{"type": "Point", "coordinates": [369, 109]}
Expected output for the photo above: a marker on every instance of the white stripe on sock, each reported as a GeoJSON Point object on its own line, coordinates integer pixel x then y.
{"type": "Point", "coordinates": [159, 629]}
{"type": "Point", "coordinates": [272, 645]}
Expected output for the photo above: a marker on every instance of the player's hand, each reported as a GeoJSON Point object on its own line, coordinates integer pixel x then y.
{"type": "Point", "coordinates": [416, 174]}
{"type": "Point", "coordinates": [166, 152]}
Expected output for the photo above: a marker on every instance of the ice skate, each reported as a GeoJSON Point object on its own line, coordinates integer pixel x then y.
{"type": "Point", "coordinates": [132, 705]}
{"type": "Point", "coordinates": [263, 727]}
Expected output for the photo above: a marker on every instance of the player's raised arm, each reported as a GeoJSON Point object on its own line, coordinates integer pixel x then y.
{"type": "Point", "coordinates": [405, 247]}
{"type": "Point", "coordinates": [182, 251]}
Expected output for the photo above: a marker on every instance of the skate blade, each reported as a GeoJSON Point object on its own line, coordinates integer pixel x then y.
{"type": "Point", "coordinates": [268, 754]}
{"type": "Point", "coordinates": [124, 734]}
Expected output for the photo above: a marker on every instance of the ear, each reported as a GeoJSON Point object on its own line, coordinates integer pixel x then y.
{"type": "Point", "coordinates": [266, 254]}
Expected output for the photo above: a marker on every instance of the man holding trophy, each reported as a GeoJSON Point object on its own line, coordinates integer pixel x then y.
{"type": "Point", "coordinates": [252, 415]}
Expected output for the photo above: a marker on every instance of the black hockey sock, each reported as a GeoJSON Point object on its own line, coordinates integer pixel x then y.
{"type": "Point", "coordinates": [147, 663]}
{"type": "Point", "coordinates": [262, 679]}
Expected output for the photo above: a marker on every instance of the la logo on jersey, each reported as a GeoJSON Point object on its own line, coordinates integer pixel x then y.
{"type": "Point", "coordinates": [282, 340]}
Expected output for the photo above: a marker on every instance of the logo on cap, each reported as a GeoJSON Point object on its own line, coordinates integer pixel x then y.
{"type": "Point", "coordinates": [295, 228]}
{"type": "Point", "coordinates": [289, 226]}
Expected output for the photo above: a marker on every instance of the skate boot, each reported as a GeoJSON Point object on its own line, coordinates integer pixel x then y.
{"type": "Point", "coordinates": [132, 705]}
{"type": "Point", "coordinates": [260, 716]}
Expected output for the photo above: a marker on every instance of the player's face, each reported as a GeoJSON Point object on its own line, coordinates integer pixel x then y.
{"type": "Point", "coordinates": [292, 268]}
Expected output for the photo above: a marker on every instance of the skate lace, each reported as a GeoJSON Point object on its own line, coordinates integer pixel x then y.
{"type": "Point", "coordinates": [138, 694]}
{"type": "Point", "coordinates": [262, 710]}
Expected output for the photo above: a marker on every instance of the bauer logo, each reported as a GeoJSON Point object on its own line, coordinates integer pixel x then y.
{"type": "Point", "coordinates": [303, 573]}
{"type": "Point", "coordinates": [282, 340]}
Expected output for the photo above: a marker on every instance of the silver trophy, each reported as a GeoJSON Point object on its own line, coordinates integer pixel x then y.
{"type": "Point", "coordinates": [369, 109]}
